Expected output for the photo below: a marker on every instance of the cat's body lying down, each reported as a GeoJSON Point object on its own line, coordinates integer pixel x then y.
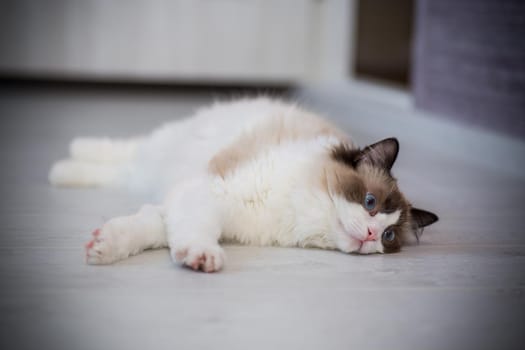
{"type": "Point", "coordinates": [254, 171]}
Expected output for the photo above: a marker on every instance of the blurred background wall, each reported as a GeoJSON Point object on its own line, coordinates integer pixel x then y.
{"type": "Point", "coordinates": [461, 59]}
{"type": "Point", "coordinates": [176, 40]}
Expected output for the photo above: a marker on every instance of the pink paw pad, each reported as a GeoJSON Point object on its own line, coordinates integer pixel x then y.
{"type": "Point", "coordinates": [95, 234]}
{"type": "Point", "coordinates": [204, 263]}
{"type": "Point", "coordinates": [90, 244]}
{"type": "Point", "coordinates": [199, 262]}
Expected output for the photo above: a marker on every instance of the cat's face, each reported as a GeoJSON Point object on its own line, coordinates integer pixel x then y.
{"type": "Point", "coordinates": [372, 215]}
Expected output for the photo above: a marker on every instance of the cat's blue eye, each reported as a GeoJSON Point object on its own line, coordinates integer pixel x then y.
{"type": "Point", "coordinates": [389, 235]}
{"type": "Point", "coordinates": [370, 201]}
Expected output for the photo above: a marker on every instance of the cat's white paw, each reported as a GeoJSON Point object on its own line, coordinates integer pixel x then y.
{"type": "Point", "coordinates": [101, 250]}
{"type": "Point", "coordinates": [198, 256]}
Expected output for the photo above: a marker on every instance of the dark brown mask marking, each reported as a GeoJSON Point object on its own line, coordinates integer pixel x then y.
{"type": "Point", "coordinates": [368, 170]}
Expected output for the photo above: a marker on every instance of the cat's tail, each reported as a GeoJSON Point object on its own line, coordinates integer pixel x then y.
{"type": "Point", "coordinates": [94, 162]}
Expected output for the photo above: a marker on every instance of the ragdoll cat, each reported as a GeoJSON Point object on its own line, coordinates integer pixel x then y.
{"type": "Point", "coordinates": [254, 171]}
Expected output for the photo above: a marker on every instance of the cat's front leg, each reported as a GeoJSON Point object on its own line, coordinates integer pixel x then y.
{"type": "Point", "coordinates": [194, 227]}
{"type": "Point", "coordinates": [199, 255]}
{"type": "Point", "coordinates": [124, 236]}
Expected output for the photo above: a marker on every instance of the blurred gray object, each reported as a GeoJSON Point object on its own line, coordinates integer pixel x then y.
{"type": "Point", "coordinates": [470, 61]}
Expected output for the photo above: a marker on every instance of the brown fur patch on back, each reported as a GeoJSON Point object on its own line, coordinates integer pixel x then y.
{"type": "Point", "coordinates": [295, 125]}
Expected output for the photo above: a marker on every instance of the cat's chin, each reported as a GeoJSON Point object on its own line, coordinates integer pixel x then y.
{"type": "Point", "coordinates": [348, 244]}
{"type": "Point", "coordinates": [371, 248]}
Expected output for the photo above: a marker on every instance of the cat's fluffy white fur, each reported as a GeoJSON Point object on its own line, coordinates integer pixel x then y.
{"type": "Point", "coordinates": [246, 171]}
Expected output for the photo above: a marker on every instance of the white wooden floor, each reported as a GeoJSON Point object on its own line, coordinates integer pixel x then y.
{"type": "Point", "coordinates": [461, 288]}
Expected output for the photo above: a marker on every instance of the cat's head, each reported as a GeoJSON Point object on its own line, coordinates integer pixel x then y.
{"type": "Point", "coordinates": [371, 214]}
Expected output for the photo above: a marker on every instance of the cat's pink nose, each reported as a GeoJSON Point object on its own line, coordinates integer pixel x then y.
{"type": "Point", "coordinates": [372, 236]}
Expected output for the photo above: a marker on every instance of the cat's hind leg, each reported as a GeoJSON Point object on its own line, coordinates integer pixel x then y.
{"type": "Point", "coordinates": [94, 162]}
{"type": "Point", "coordinates": [105, 150]}
{"type": "Point", "coordinates": [77, 173]}
{"type": "Point", "coordinates": [125, 236]}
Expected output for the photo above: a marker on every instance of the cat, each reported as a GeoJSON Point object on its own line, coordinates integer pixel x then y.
{"type": "Point", "coordinates": [256, 171]}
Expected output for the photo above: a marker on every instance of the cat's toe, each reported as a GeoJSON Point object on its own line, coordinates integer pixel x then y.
{"type": "Point", "coordinates": [208, 258]}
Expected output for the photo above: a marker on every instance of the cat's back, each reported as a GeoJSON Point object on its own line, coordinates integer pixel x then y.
{"type": "Point", "coordinates": [183, 148]}
{"type": "Point", "coordinates": [218, 124]}
{"type": "Point", "coordinates": [223, 136]}
{"type": "Point", "coordinates": [211, 129]}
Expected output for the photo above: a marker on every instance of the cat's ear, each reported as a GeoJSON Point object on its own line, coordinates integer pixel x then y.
{"type": "Point", "coordinates": [381, 154]}
{"type": "Point", "coordinates": [422, 218]}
